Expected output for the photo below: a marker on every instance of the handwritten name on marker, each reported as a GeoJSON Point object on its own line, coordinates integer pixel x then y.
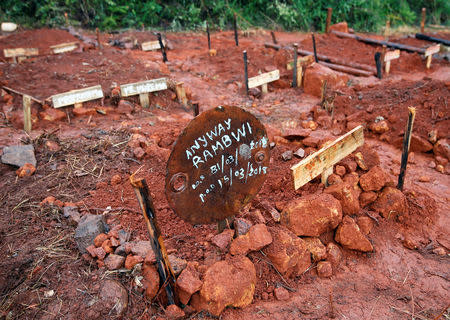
{"type": "Point", "coordinates": [64, 47]}
{"type": "Point", "coordinates": [263, 78]}
{"type": "Point", "coordinates": [132, 89]}
{"type": "Point", "coordinates": [316, 163]}
{"type": "Point", "coordinates": [20, 52]}
{"type": "Point", "coordinates": [151, 45]}
{"type": "Point", "coordinates": [77, 96]}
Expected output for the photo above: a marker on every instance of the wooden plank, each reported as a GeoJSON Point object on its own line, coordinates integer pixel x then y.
{"type": "Point", "coordinates": [181, 93]}
{"type": "Point", "coordinates": [26, 113]}
{"type": "Point", "coordinates": [64, 47]}
{"type": "Point", "coordinates": [146, 86]}
{"type": "Point", "coordinates": [316, 163]}
{"type": "Point", "coordinates": [391, 55]}
{"type": "Point", "coordinates": [151, 45]}
{"type": "Point", "coordinates": [432, 50]}
{"type": "Point", "coordinates": [264, 78]}
{"type": "Point", "coordinates": [77, 96]}
{"type": "Point", "coordinates": [20, 52]}
{"type": "Point", "coordinates": [144, 100]}
{"type": "Point", "coordinates": [301, 61]}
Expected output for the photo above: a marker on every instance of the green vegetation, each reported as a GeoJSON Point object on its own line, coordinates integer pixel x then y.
{"type": "Point", "coordinates": [362, 15]}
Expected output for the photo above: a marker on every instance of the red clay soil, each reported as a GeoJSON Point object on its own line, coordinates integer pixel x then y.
{"type": "Point", "coordinates": [38, 252]}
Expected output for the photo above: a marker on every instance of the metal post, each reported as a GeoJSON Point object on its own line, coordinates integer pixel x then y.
{"type": "Point", "coordinates": [378, 65]}
{"type": "Point", "coordinates": [314, 47]}
{"type": "Point", "coordinates": [327, 26]}
{"type": "Point", "coordinates": [163, 49]}
{"type": "Point", "coordinates": [245, 71]}
{"type": "Point", "coordinates": [294, 76]}
{"type": "Point", "coordinates": [235, 31]}
{"type": "Point", "coordinates": [209, 39]}
{"type": "Point", "coordinates": [406, 143]}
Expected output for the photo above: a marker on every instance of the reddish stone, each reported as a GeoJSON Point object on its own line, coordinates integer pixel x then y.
{"type": "Point", "coordinates": [52, 114]}
{"type": "Point", "coordinates": [316, 74]}
{"type": "Point", "coordinates": [241, 226]}
{"type": "Point", "coordinates": [187, 284]}
{"type": "Point", "coordinates": [116, 179]}
{"type": "Point", "coordinates": [365, 224]}
{"type": "Point", "coordinates": [340, 170]}
{"type": "Point", "coordinates": [139, 153]}
{"type": "Point", "coordinates": [419, 144]}
{"type": "Point", "coordinates": [366, 198]}
{"type": "Point", "coordinates": [52, 146]}
{"type": "Point", "coordinates": [341, 27]}
{"type": "Point", "coordinates": [287, 252]}
{"type": "Point", "coordinates": [334, 254]}
{"type": "Point", "coordinates": [174, 312]}
{"type": "Point", "coordinates": [281, 294]}
{"type": "Point", "coordinates": [256, 217]}
{"type": "Point", "coordinates": [82, 111]}
{"type": "Point", "coordinates": [150, 281]}
{"type": "Point", "coordinates": [229, 282]}
{"type": "Point", "coordinates": [49, 200]}
{"type": "Point", "coordinates": [379, 127]}
{"type": "Point", "coordinates": [324, 269]}
{"type": "Point", "coordinates": [132, 260]}
{"type": "Point", "coordinates": [114, 299]}
{"type": "Point", "coordinates": [91, 251]}
{"type": "Point", "coordinates": [223, 240]}
{"type": "Point", "coordinates": [348, 195]}
{"type": "Point", "coordinates": [100, 253]}
{"type": "Point", "coordinates": [373, 180]}
{"type": "Point", "coordinates": [349, 164]}
{"type": "Point", "coordinates": [115, 242]}
{"type": "Point", "coordinates": [441, 160]}
{"type": "Point", "coordinates": [312, 215]}
{"type": "Point", "coordinates": [442, 148]}
{"type": "Point", "coordinates": [368, 157]}
{"type": "Point", "coordinates": [27, 170]}
{"type": "Point", "coordinates": [106, 245]}
{"type": "Point", "coordinates": [311, 141]}
{"type": "Point", "coordinates": [114, 261]}
{"type": "Point", "coordinates": [257, 238]}
{"type": "Point", "coordinates": [99, 239]}
{"type": "Point", "coordinates": [390, 203]}
{"type": "Point", "coordinates": [350, 236]}
{"type": "Point", "coordinates": [334, 179]}
{"type": "Point", "coordinates": [316, 248]}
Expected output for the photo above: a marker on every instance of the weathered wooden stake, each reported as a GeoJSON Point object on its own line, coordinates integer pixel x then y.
{"type": "Point", "coordinates": [327, 26]}
{"type": "Point", "coordinates": [144, 100]}
{"type": "Point", "coordinates": [196, 109]}
{"type": "Point", "coordinates": [325, 174]}
{"type": "Point", "coordinates": [27, 113]}
{"type": "Point", "coordinates": [181, 93]}
{"type": "Point", "coordinates": [274, 39]}
{"type": "Point", "coordinates": [209, 39]}
{"type": "Point", "coordinates": [236, 40]}
{"type": "Point", "coordinates": [314, 47]}
{"type": "Point", "coordinates": [378, 64]}
{"type": "Point", "coordinates": [422, 22]}
{"type": "Point", "coordinates": [406, 143]}
{"type": "Point", "coordinates": [387, 29]}
{"type": "Point", "coordinates": [98, 39]}
{"type": "Point", "coordinates": [294, 74]}
{"type": "Point", "coordinates": [66, 18]}
{"type": "Point", "coordinates": [163, 49]}
{"type": "Point", "coordinates": [245, 72]}
{"type": "Point", "coordinates": [162, 261]}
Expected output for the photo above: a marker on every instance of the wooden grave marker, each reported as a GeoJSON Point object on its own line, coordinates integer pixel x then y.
{"type": "Point", "coordinates": [64, 47]}
{"type": "Point", "coordinates": [429, 53]}
{"type": "Point", "coordinates": [181, 93]}
{"type": "Point", "coordinates": [388, 57]}
{"type": "Point", "coordinates": [26, 113]}
{"type": "Point", "coordinates": [302, 63]}
{"type": "Point", "coordinates": [77, 97]}
{"type": "Point", "coordinates": [20, 54]}
{"type": "Point", "coordinates": [322, 161]}
{"type": "Point", "coordinates": [152, 45]}
{"type": "Point", "coordinates": [263, 79]}
{"type": "Point", "coordinates": [143, 88]}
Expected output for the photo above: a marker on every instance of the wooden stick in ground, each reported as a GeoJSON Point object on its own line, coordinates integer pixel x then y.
{"type": "Point", "coordinates": [245, 72]}
{"type": "Point", "coordinates": [314, 47]}
{"type": "Point", "coordinates": [22, 94]}
{"type": "Point", "coordinates": [162, 261]}
{"type": "Point", "coordinates": [207, 32]}
{"type": "Point", "coordinates": [327, 26]}
{"type": "Point", "coordinates": [98, 39]}
{"type": "Point", "coordinates": [27, 113]}
{"type": "Point", "coordinates": [294, 70]}
{"type": "Point", "coordinates": [274, 39]}
{"type": "Point", "coordinates": [406, 143]}
{"type": "Point", "coordinates": [378, 64]}
{"type": "Point", "coordinates": [422, 22]}
{"type": "Point", "coordinates": [163, 49]}
{"type": "Point", "coordinates": [236, 39]}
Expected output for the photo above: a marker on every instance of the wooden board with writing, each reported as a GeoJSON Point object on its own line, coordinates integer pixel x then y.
{"type": "Point", "coordinates": [64, 47]}
{"type": "Point", "coordinates": [391, 55]}
{"type": "Point", "coordinates": [263, 78]}
{"type": "Point", "coordinates": [77, 96]}
{"type": "Point", "coordinates": [322, 160]}
{"type": "Point", "coordinates": [432, 50]}
{"type": "Point", "coordinates": [146, 86]}
{"type": "Point", "coordinates": [151, 45]}
{"type": "Point", "coordinates": [301, 61]}
{"type": "Point", "coordinates": [20, 52]}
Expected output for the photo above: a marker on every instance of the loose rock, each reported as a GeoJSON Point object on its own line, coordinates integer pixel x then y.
{"type": "Point", "coordinates": [88, 228]}
{"type": "Point", "coordinates": [373, 180]}
{"type": "Point", "coordinates": [177, 264]}
{"type": "Point", "coordinates": [114, 262]}
{"type": "Point", "coordinates": [115, 296]}
{"type": "Point", "coordinates": [174, 312]}
{"type": "Point", "coordinates": [334, 254]}
{"type": "Point", "coordinates": [27, 170]}
{"type": "Point", "coordinates": [365, 224]}
{"type": "Point", "coordinates": [390, 203]}
{"type": "Point", "coordinates": [150, 281]}
{"type": "Point", "coordinates": [316, 248]}
{"type": "Point", "coordinates": [188, 283]}
{"type": "Point", "coordinates": [19, 155]}
{"type": "Point", "coordinates": [324, 269]}
{"type": "Point", "coordinates": [241, 226]}
{"type": "Point", "coordinates": [366, 198]}
{"type": "Point", "coordinates": [312, 215]}
{"type": "Point", "coordinates": [350, 236]}
{"type": "Point", "coordinates": [98, 241]}
{"type": "Point", "coordinates": [287, 155]}
{"type": "Point", "coordinates": [132, 260]}
{"type": "Point", "coordinates": [257, 238]}
{"type": "Point", "coordinates": [281, 294]}
{"type": "Point", "coordinates": [223, 240]}
{"type": "Point", "coordinates": [348, 196]}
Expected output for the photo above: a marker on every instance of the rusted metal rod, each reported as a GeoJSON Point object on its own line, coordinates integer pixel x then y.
{"type": "Point", "coordinates": [274, 39]}
{"type": "Point", "coordinates": [314, 47]}
{"type": "Point", "coordinates": [328, 59]}
{"type": "Point", "coordinates": [245, 72]}
{"type": "Point", "coordinates": [378, 64]}
{"type": "Point", "coordinates": [294, 71]}
{"type": "Point", "coordinates": [162, 261]}
{"type": "Point", "coordinates": [422, 21]}
{"type": "Point", "coordinates": [406, 143]}
{"type": "Point", "coordinates": [163, 49]}
{"type": "Point", "coordinates": [327, 26]}
{"type": "Point", "coordinates": [209, 38]}
{"type": "Point", "coordinates": [389, 44]}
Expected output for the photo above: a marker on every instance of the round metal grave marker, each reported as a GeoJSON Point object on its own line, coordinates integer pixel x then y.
{"type": "Point", "coordinates": [217, 165]}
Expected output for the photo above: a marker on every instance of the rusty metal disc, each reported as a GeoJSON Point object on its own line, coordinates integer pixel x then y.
{"type": "Point", "coordinates": [217, 165]}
